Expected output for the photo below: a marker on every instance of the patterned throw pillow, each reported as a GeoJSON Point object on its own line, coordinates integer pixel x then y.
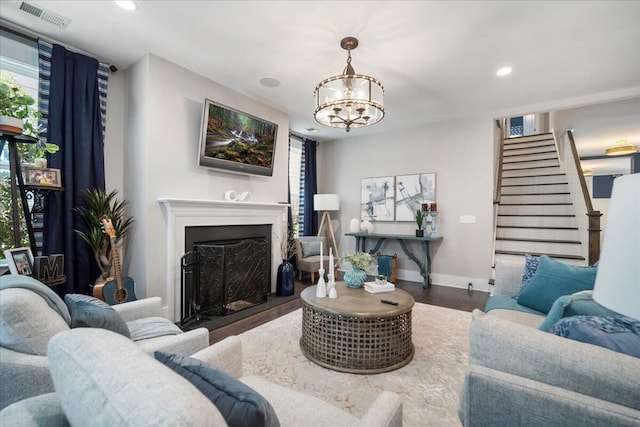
{"type": "Point", "coordinates": [530, 267]}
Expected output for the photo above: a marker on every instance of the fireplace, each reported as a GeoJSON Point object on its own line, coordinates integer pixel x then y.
{"type": "Point", "coordinates": [181, 214]}
{"type": "Point", "coordinates": [229, 269]}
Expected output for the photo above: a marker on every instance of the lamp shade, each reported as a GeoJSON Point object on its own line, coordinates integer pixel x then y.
{"type": "Point", "coordinates": [326, 202]}
{"type": "Point", "coordinates": [617, 284]}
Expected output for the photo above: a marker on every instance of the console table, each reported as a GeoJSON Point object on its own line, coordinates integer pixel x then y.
{"type": "Point", "coordinates": [424, 264]}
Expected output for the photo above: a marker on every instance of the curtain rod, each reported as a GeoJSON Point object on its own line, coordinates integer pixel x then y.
{"type": "Point", "coordinates": [302, 138]}
{"type": "Point", "coordinates": [19, 30]}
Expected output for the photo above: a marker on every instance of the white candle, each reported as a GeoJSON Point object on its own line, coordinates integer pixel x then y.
{"type": "Point", "coordinates": [330, 260]}
{"type": "Point", "coordinates": [320, 253]}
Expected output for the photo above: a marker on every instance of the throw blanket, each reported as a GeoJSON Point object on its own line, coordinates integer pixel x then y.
{"type": "Point", "coordinates": [26, 282]}
{"type": "Point", "coordinates": [385, 265]}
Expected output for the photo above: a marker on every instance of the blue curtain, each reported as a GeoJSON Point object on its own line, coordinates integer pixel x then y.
{"type": "Point", "coordinates": [310, 219]}
{"type": "Point", "coordinates": [76, 124]}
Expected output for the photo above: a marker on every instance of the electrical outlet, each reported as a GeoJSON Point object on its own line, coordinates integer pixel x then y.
{"type": "Point", "coordinates": [467, 219]}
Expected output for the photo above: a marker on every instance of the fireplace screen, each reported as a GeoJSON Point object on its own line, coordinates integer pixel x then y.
{"type": "Point", "coordinates": [230, 276]}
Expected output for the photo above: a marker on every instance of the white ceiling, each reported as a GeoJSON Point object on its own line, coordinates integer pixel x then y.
{"type": "Point", "coordinates": [436, 60]}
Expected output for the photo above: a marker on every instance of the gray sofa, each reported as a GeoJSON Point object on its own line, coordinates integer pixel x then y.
{"type": "Point", "coordinates": [115, 383]}
{"type": "Point", "coordinates": [520, 376]}
{"type": "Point", "coordinates": [31, 313]}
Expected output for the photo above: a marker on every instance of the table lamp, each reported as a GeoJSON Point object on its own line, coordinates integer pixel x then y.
{"type": "Point", "coordinates": [617, 284]}
{"type": "Point", "coordinates": [325, 203]}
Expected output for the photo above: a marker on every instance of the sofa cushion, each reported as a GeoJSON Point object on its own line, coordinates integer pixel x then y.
{"type": "Point", "coordinates": [239, 404]}
{"type": "Point", "coordinates": [297, 409]}
{"type": "Point", "coordinates": [617, 333]}
{"type": "Point", "coordinates": [578, 304]}
{"type": "Point", "coordinates": [104, 379]}
{"type": "Point", "coordinates": [552, 280]}
{"type": "Point", "coordinates": [503, 302]}
{"type": "Point", "coordinates": [27, 322]}
{"type": "Point", "coordinates": [41, 410]}
{"type": "Point", "coordinates": [90, 312]}
{"type": "Point", "coordinates": [152, 327]}
{"type": "Point", "coordinates": [310, 247]}
{"type": "Point", "coordinates": [530, 267]}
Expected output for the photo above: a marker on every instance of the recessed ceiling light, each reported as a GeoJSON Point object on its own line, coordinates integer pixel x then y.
{"type": "Point", "coordinates": [269, 82]}
{"type": "Point", "coordinates": [127, 5]}
{"type": "Point", "coordinates": [504, 71]}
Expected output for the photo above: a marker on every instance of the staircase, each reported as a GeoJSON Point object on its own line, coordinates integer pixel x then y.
{"type": "Point", "coordinates": [535, 210]}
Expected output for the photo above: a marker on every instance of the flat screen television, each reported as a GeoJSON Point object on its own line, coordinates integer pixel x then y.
{"type": "Point", "coordinates": [234, 141]}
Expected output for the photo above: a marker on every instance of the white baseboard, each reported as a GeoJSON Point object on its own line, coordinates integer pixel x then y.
{"type": "Point", "coordinates": [446, 280]}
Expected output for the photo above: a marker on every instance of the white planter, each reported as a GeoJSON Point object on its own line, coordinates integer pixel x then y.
{"type": "Point", "coordinates": [10, 124]}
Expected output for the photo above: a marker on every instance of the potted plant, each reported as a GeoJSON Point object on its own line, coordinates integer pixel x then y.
{"type": "Point", "coordinates": [18, 110]}
{"type": "Point", "coordinates": [97, 203]}
{"type": "Point", "coordinates": [19, 114]}
{"type": "Point", "coordinates": [360, 262]}
{"type": "Point", "coordinates": [419, 220]}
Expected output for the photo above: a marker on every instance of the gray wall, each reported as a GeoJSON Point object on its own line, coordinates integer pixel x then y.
{"type": "Point", "coordinates": [460, 152]}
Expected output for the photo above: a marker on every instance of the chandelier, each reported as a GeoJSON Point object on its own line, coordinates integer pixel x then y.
{"type": "Point", "coordinates": [349, 100]}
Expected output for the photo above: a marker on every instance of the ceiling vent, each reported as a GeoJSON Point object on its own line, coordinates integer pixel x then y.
{"type": "Point", "coordinates": [43, 14]}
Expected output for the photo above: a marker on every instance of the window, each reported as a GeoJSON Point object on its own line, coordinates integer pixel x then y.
{"type": "Point", "coordinates": [18, 58]}
{"type": "Point", "coordinates": [296, 182]}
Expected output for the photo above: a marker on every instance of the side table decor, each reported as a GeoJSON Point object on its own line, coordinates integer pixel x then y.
{"type": "Point", "coordinates": [360, 262]}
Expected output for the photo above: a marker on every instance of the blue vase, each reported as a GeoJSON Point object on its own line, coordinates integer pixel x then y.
{"type": "Point", "coordinates": [355, 278]}
{"type": "Point", "coordinates": [285, 277]}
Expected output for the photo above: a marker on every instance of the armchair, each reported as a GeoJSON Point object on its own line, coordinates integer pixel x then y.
{"type": "Point", "coordinates": [146, 392]}
{"type": "Point", "coordinates": [31, 313]}
{"type": "Point", "coordinates": [308, 255]}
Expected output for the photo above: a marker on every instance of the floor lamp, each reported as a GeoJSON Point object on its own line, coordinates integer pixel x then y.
{"type": "Point", "coordinates": [325, 203]}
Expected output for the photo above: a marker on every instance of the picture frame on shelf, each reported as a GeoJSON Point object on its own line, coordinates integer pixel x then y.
{"type": "Point", "coordinates": [377, 199]}
{"type": "Point", "coordinates": [42, 177]}
{"type": "Point", "coordinates": [20, 261]}
{"type": "Point", "coordinates": [411, 192]}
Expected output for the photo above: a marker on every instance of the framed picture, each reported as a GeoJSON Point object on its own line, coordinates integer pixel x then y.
{"type": "Point", "coordinates": [377, 199]}
{"type": "Point", "coordinates": [411, 192]}
{"type": "Point", "coordinates": [20, 261]}
{"type": "Point", "coordinates": [44, 177]}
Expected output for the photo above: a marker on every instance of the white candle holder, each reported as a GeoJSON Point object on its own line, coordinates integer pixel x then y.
{"type": "Point", "coordinates": [321, 288]}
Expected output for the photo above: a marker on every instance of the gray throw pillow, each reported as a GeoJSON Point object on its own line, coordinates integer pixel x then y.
{"type": "Point", "coordinates": [239, 404]}
{"type": "Point", "coordinates": [310, 248]}
{"type": "Point", "coordinates": [90, 312]}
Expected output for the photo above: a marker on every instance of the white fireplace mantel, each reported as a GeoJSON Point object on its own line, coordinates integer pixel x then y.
{"type": "Point", "coordinates": [182, 213]}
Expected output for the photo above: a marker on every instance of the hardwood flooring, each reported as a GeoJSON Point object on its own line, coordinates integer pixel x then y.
{"type": "Point", "coordinates": [443, 296]}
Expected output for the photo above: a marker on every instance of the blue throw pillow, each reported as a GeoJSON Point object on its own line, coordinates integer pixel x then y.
{"type": "Point", "coordinates": [239, 404]}
{"type": "Point", "coordinates": [90, 312]}
{"type": "Point", "coordinates": [617, 333]}
{"type": "Point", "coordinates": [578, 304]}
{"type": "Point", "coordinates": [310, 248]}
{"type": "Point", "coordinates": [530, 267]}
{"type": "Point", "coordinates": [552, 280]}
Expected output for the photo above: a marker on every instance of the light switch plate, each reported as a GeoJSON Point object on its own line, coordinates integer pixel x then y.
{"type": "Point", "coordinates": [468, 219]}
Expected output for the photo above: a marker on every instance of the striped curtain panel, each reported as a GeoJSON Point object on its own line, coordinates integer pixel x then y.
{"type": "Point", "coordinates": [44, 59]}
{"type": "Point", "coordinates": [73, 100]}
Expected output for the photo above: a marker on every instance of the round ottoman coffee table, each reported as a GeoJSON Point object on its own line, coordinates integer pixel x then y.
{"type": "Point", "coordinates": [356, 332]}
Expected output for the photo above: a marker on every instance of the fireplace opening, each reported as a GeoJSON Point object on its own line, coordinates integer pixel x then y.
{"type": "Point", "coordinates": [226, 269]}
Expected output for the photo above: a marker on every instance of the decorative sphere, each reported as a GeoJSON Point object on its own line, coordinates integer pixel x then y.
{"type": "Point", "coordinates": [366, 227]}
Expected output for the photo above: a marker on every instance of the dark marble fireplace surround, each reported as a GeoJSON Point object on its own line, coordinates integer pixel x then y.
{"type": "Point", "coordinates": [234, 269]}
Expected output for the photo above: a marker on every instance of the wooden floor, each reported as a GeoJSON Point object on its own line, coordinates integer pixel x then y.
{"type": "Point", "coordinates": [443, 296]}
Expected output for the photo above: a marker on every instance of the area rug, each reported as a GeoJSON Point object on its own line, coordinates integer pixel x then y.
{"type": "Point", "coordinates": [430, 385]}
